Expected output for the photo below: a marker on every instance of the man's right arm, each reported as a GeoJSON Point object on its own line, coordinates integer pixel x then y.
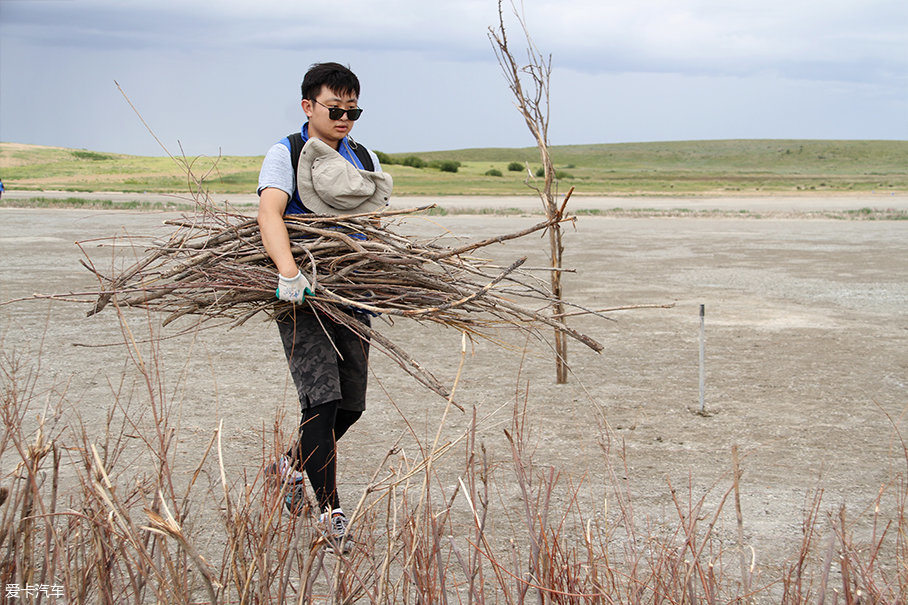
{"type": "Point", "coordinates": [275, 238]}
{"type": "Point", "coordinates": [276, 182]}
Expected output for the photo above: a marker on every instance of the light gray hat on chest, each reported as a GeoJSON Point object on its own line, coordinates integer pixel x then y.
{"type": "Point", "coordinates": [329, 184]}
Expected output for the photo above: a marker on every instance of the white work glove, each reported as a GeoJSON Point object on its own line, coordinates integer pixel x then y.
{"type": "Point", "coordinates": [293, 289]}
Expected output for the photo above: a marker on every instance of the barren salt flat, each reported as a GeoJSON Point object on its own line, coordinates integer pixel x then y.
{"type": "Point", "coordinates": [806, 357]}
{"type": "Point", "coordinates": [767, 203]}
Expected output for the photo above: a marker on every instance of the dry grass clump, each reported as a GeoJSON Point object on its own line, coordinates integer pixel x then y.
{"type": "Point", "coordinates": [106, 514]}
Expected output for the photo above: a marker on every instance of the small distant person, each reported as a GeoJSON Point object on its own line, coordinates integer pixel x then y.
{"type": "Point", "coordinates": [1, 188]}
{"type": "Point", "coordinates": [314, 170]}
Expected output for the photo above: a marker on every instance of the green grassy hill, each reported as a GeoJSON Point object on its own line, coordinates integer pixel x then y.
{"type": "Point", "coordinates": [667, 168]}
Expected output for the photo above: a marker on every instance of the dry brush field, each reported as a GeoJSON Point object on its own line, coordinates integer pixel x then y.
{"type": "Point", "coordinates": [609, 489]}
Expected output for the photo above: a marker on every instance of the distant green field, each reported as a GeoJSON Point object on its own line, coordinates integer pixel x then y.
{"type": "Point", "coordinates": [668, 168]}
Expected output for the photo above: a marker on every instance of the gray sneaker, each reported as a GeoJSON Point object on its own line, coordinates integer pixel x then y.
{"type": "Point", "coordinates": [291, 482]}
{"type": "Point", "coordinates": [295, 496]}
{"type": "Point", "coordinates": [334, 527]}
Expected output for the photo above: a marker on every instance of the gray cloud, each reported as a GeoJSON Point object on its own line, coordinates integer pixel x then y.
{"type": "Point", "coordinates": [225, 74]}
{"type": "Point", "coordinates": [804, 38]}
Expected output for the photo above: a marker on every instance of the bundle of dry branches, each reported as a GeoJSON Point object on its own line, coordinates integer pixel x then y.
{"type": "Point", "coordinates": [214, 266]}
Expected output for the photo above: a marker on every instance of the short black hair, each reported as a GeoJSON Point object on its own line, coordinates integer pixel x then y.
{"type": "Point", "coordinates": [332, 75]}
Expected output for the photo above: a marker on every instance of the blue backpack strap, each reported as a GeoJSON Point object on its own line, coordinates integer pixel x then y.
{"type": "Point", "coordinates": [294, 144]}
{"type": "Point", "coordinates": [362, 155]}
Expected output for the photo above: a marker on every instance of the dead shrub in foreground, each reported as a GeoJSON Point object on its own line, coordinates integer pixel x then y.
{"type": "Point", "coordinates": [106, 514]}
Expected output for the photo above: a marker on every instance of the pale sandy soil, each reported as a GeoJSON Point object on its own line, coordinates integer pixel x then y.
{"type": "Point", "coordinates": [806, 362]}
{"type": "Point", "coordinates": [759, 204]}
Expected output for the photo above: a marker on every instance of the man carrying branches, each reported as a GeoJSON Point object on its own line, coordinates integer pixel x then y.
{"type": "Point", "coordinates": [328, 362]}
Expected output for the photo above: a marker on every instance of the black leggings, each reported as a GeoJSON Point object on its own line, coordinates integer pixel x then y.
{"type": "Point", "coordinates": [316, 450]}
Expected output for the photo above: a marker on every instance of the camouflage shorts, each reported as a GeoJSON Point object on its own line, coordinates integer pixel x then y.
{"type": "Point", "coordinates": [319, 373]}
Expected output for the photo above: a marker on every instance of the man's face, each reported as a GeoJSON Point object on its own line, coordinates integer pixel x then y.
{"type": "Point", "coordinates": [321, 126]}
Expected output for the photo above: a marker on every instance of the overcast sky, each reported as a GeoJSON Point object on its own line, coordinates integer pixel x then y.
{"type": "Point", "coordinates": [223, 77]}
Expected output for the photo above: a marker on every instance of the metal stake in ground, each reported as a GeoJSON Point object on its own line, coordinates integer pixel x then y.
{"type": "Point", "coordinates": [702, 358]}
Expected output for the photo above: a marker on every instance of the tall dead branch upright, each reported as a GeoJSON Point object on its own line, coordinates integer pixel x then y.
{"type": "Point", "coordinates": [533, 103]}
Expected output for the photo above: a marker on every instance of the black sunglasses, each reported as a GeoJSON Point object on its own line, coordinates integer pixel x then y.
{"type": "Point", "coordinates": [335, 113]}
